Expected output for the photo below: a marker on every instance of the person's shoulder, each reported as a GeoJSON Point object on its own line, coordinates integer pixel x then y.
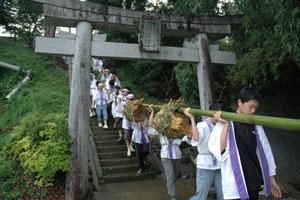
{"type": "Point", "coordinates": [201, 124]}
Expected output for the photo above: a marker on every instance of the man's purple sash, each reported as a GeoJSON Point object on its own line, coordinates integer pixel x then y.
{"type": "Point", "coordinates": [264, 164]}
{"type": "Point", "coordinates": [143, 137]}
{"type": "Point", "coordinates": [170, 148]}
{"type": "Point", "coordinates": [236, 167]}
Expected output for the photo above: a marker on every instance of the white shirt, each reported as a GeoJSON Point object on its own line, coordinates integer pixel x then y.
{"type": "Point", "coordinates": [205, 160]}
{"type": "Point", "coordinates": [139, 131]}
{"type": "Point", "coordinates": [229, 186]}
{"type": "Point", "coordinates": [110, 94]}
{"type": "Point", "coordinates": [169, 147]}
{"type": "Point", "coordinates": [100, 97]}
{"type": "Point", "coordinates": [97, 65]}
{"type": "Point", "coordinates": [120, 104]}
{"type": "Point", "coordinates": [125, 123]}
{"type": "Point", "coordinates": [93, 87]}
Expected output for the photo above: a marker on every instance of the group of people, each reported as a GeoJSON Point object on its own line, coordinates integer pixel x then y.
{"type": "Point", "coordinates": [235, 158]}
{"type": "Point", "coordinates": [108, 101]}
{"type": "Point", "coordinates": [103, 93]}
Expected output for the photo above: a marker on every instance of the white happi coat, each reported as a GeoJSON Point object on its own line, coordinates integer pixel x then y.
{"type": "Point", "coordinates": [205, 160]}
{"type": "Point", "coordinates": [229, 185]}
{"type": "Point", "coordinates": [169, 147]}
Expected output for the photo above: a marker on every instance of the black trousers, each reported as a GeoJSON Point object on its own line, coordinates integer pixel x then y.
{"type": "Point", "coordinates": [141, 155]}
{"type": "Point", "coordinates": [253, 195]}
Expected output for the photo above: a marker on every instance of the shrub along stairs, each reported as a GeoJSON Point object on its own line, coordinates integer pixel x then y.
{"type": "Point", "coordinates": [116, 166]}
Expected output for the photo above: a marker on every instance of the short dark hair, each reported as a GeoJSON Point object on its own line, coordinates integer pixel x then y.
{"type": "Point", "coordinates": [113, 71]}
{"type": "Point", "coordinates": [97, 82]}
{"type": "Point", "coordinates": [111, 82]}
{"type": "Point", "coordinates": [249, 93]}
{"type": "Point", "coordinates": [216, 106]}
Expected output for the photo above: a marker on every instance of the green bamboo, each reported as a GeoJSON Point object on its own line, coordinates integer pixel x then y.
{"type": "Point", "coordinates": [272, 122]}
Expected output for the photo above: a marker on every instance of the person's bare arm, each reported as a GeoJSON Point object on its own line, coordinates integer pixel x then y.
{"type": "Point", "coordinates": [193, 122]}
{"type": "Point", "coordinates": [224, 134]}
{"type": "Point", "coordinates": [151, 118]}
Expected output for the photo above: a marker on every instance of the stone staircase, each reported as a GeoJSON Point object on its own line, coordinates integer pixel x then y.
{"type": "Point", "coordinates": [116, 166]}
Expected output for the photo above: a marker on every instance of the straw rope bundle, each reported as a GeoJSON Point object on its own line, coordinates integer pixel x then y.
{"type": "Point", "coordinates": [163, 120]}
{"type": "Point", "coordinates": [180, 125]}
{"type": "Point", "coordinates": [134, 111]}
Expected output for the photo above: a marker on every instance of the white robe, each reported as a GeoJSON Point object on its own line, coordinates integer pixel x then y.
{"type": "Point", "coordinates": [230, 188]}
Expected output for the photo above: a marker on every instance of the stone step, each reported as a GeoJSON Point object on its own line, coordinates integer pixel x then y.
{"type": "Point", "coordinates": [102, 143]}
{"type": "Point", "coordinates": [124, 177]}
{"type": "Point", "coordinates": [119, 169]}
{"type": "Point", "coordinates": [114, 148]}
{"type": "Point", "coordinates": [95, 123]}
{"type": "Point", "coordinates": [112, 137]}
{"type": "Point", "coordinates": [103, 131]}
{"type": "Point", "coordinates": [110, 155]}
{"type": "Point", "coordinates": [119, 161]}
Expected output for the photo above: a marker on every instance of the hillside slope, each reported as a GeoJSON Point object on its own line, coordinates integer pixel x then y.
{"type": "Point", "coordinates": [45, 97]}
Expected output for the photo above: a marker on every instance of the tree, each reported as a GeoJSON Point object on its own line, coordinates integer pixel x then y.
{"type": "Point", "coordinates": [21, 19]}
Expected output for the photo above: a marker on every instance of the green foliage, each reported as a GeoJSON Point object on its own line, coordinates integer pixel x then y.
{"type": "Point", "coordinates": [149, 78]}
{"type": "Point", "coordinates": [22, 19]}
{"type": "Point", "coordinates": [8, 80]}
{"type": "Point", "coordinates": [287, 29]}
{"type": "Point", "coordinates": [41, 144]}
{"type": "Point", "coordinates": [267, 43]}
{"type": "Point", "coordinates": [47, 92]}
{"type": "Point", "coordinates": [186, 76]}
{"type": "Point", "coordinates": [34, 141]}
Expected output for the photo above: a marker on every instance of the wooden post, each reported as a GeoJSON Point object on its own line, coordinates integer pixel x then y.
{"type": "Point", "coordinates": [77, 178]}
{"type": "Point", "coordinates": [204, 73]}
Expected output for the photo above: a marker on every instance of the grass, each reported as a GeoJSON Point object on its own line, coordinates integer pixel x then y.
{"type": "Point", "coordinates": [46, 93]}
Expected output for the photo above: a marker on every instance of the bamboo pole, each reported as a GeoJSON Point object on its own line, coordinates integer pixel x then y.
{"type": "Point", "coordinates": [271, 122]}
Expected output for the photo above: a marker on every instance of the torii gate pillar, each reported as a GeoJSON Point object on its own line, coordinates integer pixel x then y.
{"type": "Point", "coordinates": [77, 178]}
{"type": "Point", "coordinates": [204, 75]}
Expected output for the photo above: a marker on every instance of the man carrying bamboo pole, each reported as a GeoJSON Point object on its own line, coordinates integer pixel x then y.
{"type": "Point", "coordinates": [245, 155]}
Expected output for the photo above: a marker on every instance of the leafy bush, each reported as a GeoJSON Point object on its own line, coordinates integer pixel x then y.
{"type": "Point", "coordinates": [41, 144]}
{"type": "Point", "coordinates": [186, 77]}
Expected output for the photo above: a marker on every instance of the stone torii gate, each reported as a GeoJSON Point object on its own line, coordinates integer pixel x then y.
{"type": "Point", "coordinates": [85, 16]}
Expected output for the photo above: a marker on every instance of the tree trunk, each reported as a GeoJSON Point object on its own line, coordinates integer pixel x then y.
{"type": "Point", "coordinates": [77, 178]}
